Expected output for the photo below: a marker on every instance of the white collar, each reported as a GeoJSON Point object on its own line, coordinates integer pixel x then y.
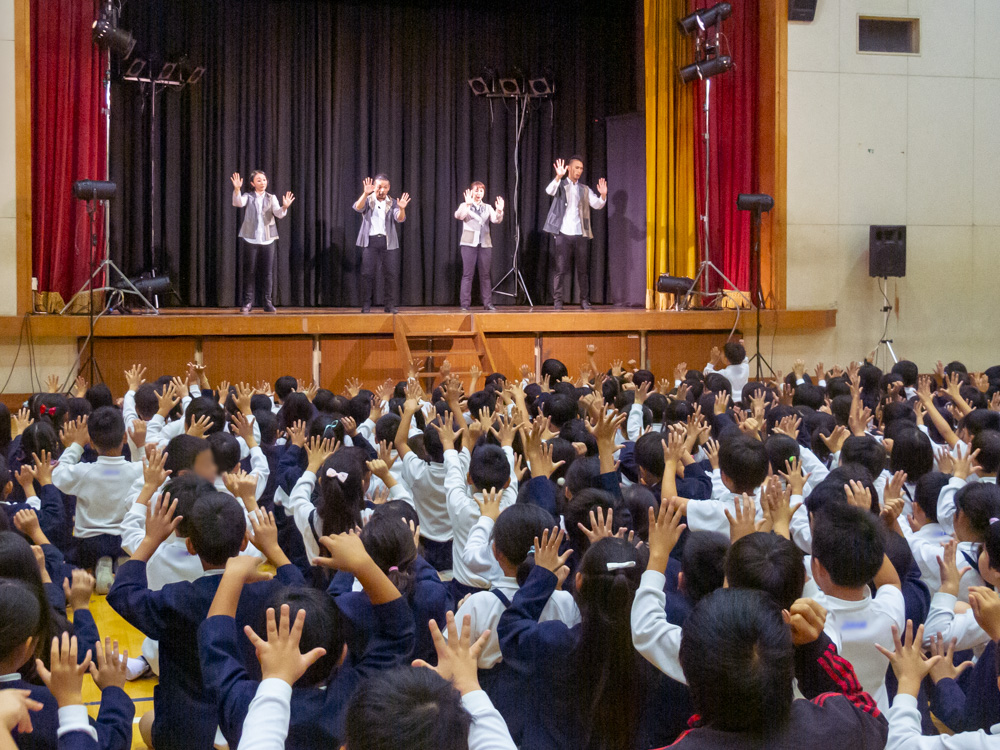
{"type": "Point", "coordinates": [507, 584]}
{"type": "Point", "coordinates": [12, 677]}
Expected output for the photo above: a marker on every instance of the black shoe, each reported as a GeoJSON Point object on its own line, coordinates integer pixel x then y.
{"type": "Point", "coordinates": [490, 308]}
{"type": "Point", "coordinates": [557, 306]}
{"type": "Point", "coordinates": [366, 309]}
{"type": "Point", "coordinates": [391, 310]}
{"type": "Point", "coordinates": [585, 305]}
{"type": "Point", "coordinates": [246, 308]}
{"type": "Point", "coordinates": [465, 309]}
{"type": "Point", "coordinates": [268, 307]}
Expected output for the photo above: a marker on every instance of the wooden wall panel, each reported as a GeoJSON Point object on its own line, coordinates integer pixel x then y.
{"type": "Point", "coordinates": [665, 351]}
{"type": "Point", "coordinates": [158, 356]}
{"type": "Point", "coordinates": [510, 352]}
{"type": "Point", "coordinates": [254, 359]}
{"type": "Point", "coordinates": [371, 360]}
{"type": "Point", "coordinates": [571, 349]}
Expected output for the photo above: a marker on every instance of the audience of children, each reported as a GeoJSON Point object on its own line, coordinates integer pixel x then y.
{"type": "Point", "coordinates": [612, 563]}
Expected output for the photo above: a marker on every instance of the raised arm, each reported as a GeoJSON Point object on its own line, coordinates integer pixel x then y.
{"type": "Point", "coordinates": [367, 188]}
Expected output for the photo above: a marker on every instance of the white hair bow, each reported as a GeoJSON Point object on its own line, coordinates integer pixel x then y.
{"type": "Point", "coordinates": [340, 476]}
{"type": "Point", "coordinates": [619, 566]}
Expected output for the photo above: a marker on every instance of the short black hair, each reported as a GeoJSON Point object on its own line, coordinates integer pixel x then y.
{"type": "Point", "coordinates": [186, 489]}
{"type": "Point", "coordinates": [489, 468]}
{"type": "Point", "coordinates": [203, 406]}
{"type": "Point", "coordinates": [813, 396]}
{"type": "Point", "coordinates": [409, 707]}
{"type": "Point", "coordinates": [218, 527]}
{"type": "Point", "coordinates": [182, 452]}
{"type": "Point", "coordinates": [928, 491]}
{"type": "Point", "coordinates": [846, 541]}
{"type": "Point", "coordinates": [481, 401]}
{"type": "Point", "coordinates": [106, 427]}
{"type": "Point", "coordinates": [978, 420]}
{"type": "Point", "coordinates": [648, 452]}
{"type": "Point", "coordinates": [738, 659]}
{"type": "Point", "coordinates": [908, 371]}
{"type": "Point", "coordinates": [225, 450]}
{"type": "Point", "coordinates": [381, 176]}
{"type": "Point", "coordinates": [555, 369]}
{"type": "Point", "coordinates": [386, 428]}
{"type": "Point", "coordinates": [734, 352]}
{"type": "Point", "coordinates": [433, 446]}
{"type": "Point", "coordinates": [780, 448]}
{"type": "Point", "coordinates": [516, 528]}
{"type": "Point", "coordinates": [638, 498]}
{"type": "Point", "coordinates": [79, 407]}
{"type": "Point", "coordinates": [912, 452]}
{"type": "Point", "coordinates": [323, 628]}
{"type": "Point", "coordinates": [359, 408]}
{"type": "Point", "coordinates": [575, 157]}
{"type": "Point", "coordinates": [578, 510]}
{"type": "Point", "coordinates": [260, 402]}
{"type": "Point", "coordinates": [840, 407]}
{"type": "Point", "coordinates": [560, 408]}
{"type": "Point", "coordinates": [718, 383]}
{"type": "Point", "coordinates": [987, 442]}
{"type": "Point", "coordinates": [583, 473]}
{"type": "Point", "coordinates": [285, 385]}
{"type": "Point", "coordinates": [744, 460]}
{"type": "Point", "coordinates": [99, 395]}
{"type": "Point", "coordinates": [864, 450]}
{"type": "Point", "coordinates": [978, 502]}
{"type": "Point", "coordinates": [146, 403]}
{"type": "Point", "coordinates": [267, 423]}
{"type": "Point", "coordinates": [767, 562]}
{"type": "Point", "coordinates": [703, 563]}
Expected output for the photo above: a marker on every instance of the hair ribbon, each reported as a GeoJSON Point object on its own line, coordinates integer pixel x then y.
{"type": "Point", "coordinates": [994, 520]}
{"type": "Point", "coordinates": [340, 476]}
{"type": "Point", "coordinates": [619, 566]}
{"type": "Point", "coordinates": [394, 569]}
{"type": "Point", "coordinates": [42, 411]}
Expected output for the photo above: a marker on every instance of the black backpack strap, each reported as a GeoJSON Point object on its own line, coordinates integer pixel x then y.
{"type": "Point", "coordinates": [501, 596]}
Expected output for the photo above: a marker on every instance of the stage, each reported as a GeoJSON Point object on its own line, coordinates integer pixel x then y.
{"type": "Point", "coordinates": [335, 345]}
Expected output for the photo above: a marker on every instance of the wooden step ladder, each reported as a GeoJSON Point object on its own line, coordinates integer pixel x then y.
{"type": "Point", "coordinates": [463, 346]}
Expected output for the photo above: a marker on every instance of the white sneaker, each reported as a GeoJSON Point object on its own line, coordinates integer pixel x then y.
{"type": "Point", "coordinates": [137, 668]}
{"type": "Point", "coordinates": [104, 574]}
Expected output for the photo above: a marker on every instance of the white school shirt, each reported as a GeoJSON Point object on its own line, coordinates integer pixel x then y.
{"type": "Point", "coordinates": [571, 219]}
{"type": "Point", "coordinates": [946, 500]}
{"type": "Point", "coordinates": [260, 231]}
{"type": "Point", "coordinates": [905, 732]}
{"type": "Point", "coordinates": [656, 639]}
{"type": "Point", "coordinates": [710, 515]}
{"type": "Point", "coordinates": [426, 482]}
{"type": "Point", "coordinates": [737, 375]}
{"type": "Point", "coordinates": [861, 624]}
{"type": "Point", "coordinates": [258, 466]}
{"type": "Point", "coordinates": [478, 554]}
{"type": "Point", "coordinates": [266, 724]}
{"type": "Point", "coordinates": [463, 510]}
{"type": "Point", "coordinates": [927, 545]}
{"type": "Point", "coordinates": [485, 608]}
{"type": "Point", "coordinates": [379, 211]}
{"type": "Point", "coordinates": [101, 490]}
{"type": "Point", "coordinates": [942, 618]}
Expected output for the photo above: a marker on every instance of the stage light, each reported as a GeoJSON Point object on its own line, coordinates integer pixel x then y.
{"type": "Point", "coordinates": [107, 36]}
{"type": "Point", "coordinates": [136, 68]}
{"type": "Point", "coordinates": [94, 190]}
{"type": "Point", "coordinates": [147, 284]}
{"type": "Point", "coordinates": [510, 86]}
{"type": "Point", "coordinates": [541, 87]}
{"type": "Point", "coordinates": [701, 19]}
{"type": "Point", "coordinates": [678, 285]}
{"type": "Point", "coordinates": [196, 75]}
{"type": "Point", "coordinates": [754, 202]}
{"type": "Point", "coordinates": [479, 86]}
{"type": "Point", "coordinates": [691, 24]}
{"type": "Point", "coordinates": [705, 69]}
{"type": "Point", "coordinates": [166, 72]}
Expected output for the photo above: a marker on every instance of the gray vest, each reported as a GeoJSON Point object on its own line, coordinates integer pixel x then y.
{"type": "Point", "coordinates": [553, 222]}
{"type": "Point", "coordinates": [249, 229]}
{"type": "Point", "coordinates": [391, 238]}
{"type": "Point", "coordinates": [471, 221]}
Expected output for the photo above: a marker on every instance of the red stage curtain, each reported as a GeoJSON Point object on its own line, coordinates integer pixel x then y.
{"type": "Point", "coordinates": [733, 138]}
{"type": "Point", "coordinates": [68, 140]}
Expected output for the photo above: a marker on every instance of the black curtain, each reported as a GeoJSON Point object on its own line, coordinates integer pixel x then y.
{"type": "Point", "coordinates": [323, 94]}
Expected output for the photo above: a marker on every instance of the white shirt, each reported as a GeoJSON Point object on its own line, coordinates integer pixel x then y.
{"type": "Point", "coordinates": [571, 219]}
{"type": "Point", "coordinates": [658, 640]}
{"type": "Point", "coordinates": [426, 482]}
{"type": "Point", "coordinates": [260, 231]}
{"type": "Point", "coordinates": [101, 490]}
{"type": "Point", "coordinates": [463, 510]}
{"type": "Point", "coordinates": [478, 214]}
{"type": "Point", "coordinates": [927, 545]}
{"type": "Point", "coordinates": [943, 619]}
{"type": "Point", "coordinates": [379, 211]}
{"type": "Point", "coordinates": [485, 608]}
{"type": "Point", "coordinates": [861, 624]}
{"type": "Point", "coordinates": [266, 724]}
{"type": "Point", "coordinates": [946, 500]}
{"type": "Point", "coordinates": [905, 731]}
{"type": "Point", "coordinates": [737, 375]}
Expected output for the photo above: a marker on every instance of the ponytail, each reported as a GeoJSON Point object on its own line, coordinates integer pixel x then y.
{"type": "Point", "coordinates": [388, 540]}
{"type": "Point", "coordinates": [341, 492]}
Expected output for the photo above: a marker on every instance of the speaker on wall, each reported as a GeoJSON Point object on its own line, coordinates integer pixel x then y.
{"type": "Point", "coordinates": [886, 251]}
{"type": "Point", "coordinates": [801, 10]}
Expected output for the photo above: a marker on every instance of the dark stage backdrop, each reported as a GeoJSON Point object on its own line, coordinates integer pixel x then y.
{"type": "Point", "coordinates": [322, 94]}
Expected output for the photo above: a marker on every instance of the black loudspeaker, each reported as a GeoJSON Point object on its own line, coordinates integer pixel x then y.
{"type": "Point", "coordinates": [801, 10]}
{"type": "Point", "coordinates": [886, 251]}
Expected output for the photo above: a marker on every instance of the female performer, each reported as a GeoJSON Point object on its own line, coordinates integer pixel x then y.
{"type": "Point", "coordinates": [476, 245]}
{"type": "Point", "coordinates": [258, 234]}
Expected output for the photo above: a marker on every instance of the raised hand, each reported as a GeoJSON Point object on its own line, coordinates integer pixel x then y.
{"type": "Point", "coordinates": [346, 552]}
{"type": "Point", "coordinates": [602, 188]}
{"type": "Point", "coordinates": [368, 186]}
{"type": "Point", "coordinates": [951, 576]}
{"type": "Point", "coordinates": [237, 181]}
{"type": "Point", "coordinates": [78, 592]}
{"type": "Point", "coordinates": [907, 660]}
{"type": "Point", "coordinates": [318, 451]}
{"type": "Point", "coordinates": [287, 200]}
{"type": "Point", "coordinates": [75, 432]}
{"type": "Point", "coordinates": [404, 200]}
{"type": "Point", "coordinates": [489, 506]}
{"type": "Point", "coordinates": [945, 667]}
{"type": "Point", "coordinates": [279, 655]}
{"type": "Point", "coordinates": [65, 680]}
{"type": "Point", "coordinates": [806, 618]}
{"type": "Point", "coordinates": [111, 669]}
{"type": "Point", "coordinates": [199, 426]}
{"type": "Point", "coordinates": [468, 197]}
{"type": "Point", "coordinates": [458, 656]}
{"type": "Point", "coordinates": [742, 521]}
{"type": "Point", "coordinates": [498, 205]}
{"type": "Point", "coordinates": [561, 168]}
{"type": "Point", "coordinates": [985, 603]}
{"type": "Point", "coordinates": [137, 432]}
{"type": "Point", "coordinates": [80, 386]}
{"type": "Point", "coordinates": [665, 528]}
{"type": "Point", "coordinates": [20, 421]}
{"type": "Point", "coordinates": [160, 520]}
{"type": "Point", "coordinates": [52, 384]}
{"type": "Point", "coordinates": [547, 550]}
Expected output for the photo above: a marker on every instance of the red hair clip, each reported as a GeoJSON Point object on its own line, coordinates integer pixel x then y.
{"type": "Point", "coordinates": [42, 411]}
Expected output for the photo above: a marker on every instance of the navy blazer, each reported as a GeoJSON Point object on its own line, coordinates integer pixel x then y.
{"type": "Point", "coordinates": [978, 705]}
{"type": "Point", "coordinates": [186, 716]}
{"type": "Point", "coordinates": [113, 724]}
{"type": "Point", "coordinates": [317, 715]}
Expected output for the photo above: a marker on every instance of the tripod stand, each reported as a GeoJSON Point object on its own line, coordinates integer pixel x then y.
{"type": "Point", "coordinates": [756, 204]}
{"type": "Point", "coordinates": [887, 311]}
{"type": "Point", "coordinates": [520, 116]}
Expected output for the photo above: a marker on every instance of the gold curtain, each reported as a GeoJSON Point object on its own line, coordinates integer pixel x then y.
{"type": "Point", "coordinates": [671, 237]}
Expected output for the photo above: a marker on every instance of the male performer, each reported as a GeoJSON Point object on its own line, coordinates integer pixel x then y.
{"type": "Point", "coordinates": [569, 222]}
{"type": "Point", "coordinates": [476, 245]}
{"type": "Point", "coordinates": [259, 233]}
{"type": "Point", "coordinates": [378, 240]}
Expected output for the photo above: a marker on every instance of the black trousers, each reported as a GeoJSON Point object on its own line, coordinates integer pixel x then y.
{"type": "Point", "coordinates": [473, 257]}
{"type": "Point", "coordinates": [258, 263]}
{"type": "Point", "coordinates": [378, 260]}
{"type": "Point", "coordinates": [571, 250]}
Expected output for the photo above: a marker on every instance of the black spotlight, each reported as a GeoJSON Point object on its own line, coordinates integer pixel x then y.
{"type": "Point", "coordinates": [135, 68]}
{"type": "Point", "coordinates": [754, 202]}
{"type": "Point", "coordinates": [678, 285]}
{"type": "Point", "coordinates": [705, 69]}
{"type": "Point", "coordinates": [479, 86]}
{"type": "Point", "coordinates": [148, 284]}
{"type": "Point", "coordinates": [94, 190]}
{"type": "Point", "coordinates": [118, 41]}
{"type": "Point", "coordinates": [691, 24]}
{"type": "Point", "coordinates": [541, 87]}
{"type": "Point", "coordinates": [716, 13]}
{"type": "Point", "coordinates": [510, 86]}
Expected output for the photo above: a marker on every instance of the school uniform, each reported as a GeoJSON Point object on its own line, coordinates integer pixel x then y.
{"type": "Point", "coordinates": [477, 250]}
{"type": "Point", "coordinates": [738, 376]}
{"type": "Point", "coordinates": [50, 508]}
{"type": "Point", "coordinates": [266, 726]}
{"type": "Point", "coordinates": [112, 730]}
{"type": "Point", "coordinates": [317, 718]}
{"type": "Point", "coordinates": [379, 245]}
{"type": "Point", "coordinates": [946, 499]}
{"type": "Point", "coordinates": [426, 481]}
{"type": "Point", "coordinates": [975, 703]}
{"type": "Point", "coordinates": [430, 599]}
{"type": "Point", "coordinates": [463, 512]}
{"type": "Point", "coordinates": [927, 545]}
{"type": "Point", "coordinates": [905, 734]}
{"type": "Point", "coordinates": [259, 233]}
{"type": "Point", "coordinates": [186, 715]}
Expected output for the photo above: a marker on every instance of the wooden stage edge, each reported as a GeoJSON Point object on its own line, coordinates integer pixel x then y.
{"type": "Point", "coordinates": [172, 322]}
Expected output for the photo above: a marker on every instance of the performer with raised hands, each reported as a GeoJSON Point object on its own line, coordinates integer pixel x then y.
{"type": "Point", "coordinates": [476, 244]}
{"type": "Point", "coordinates": [569, 223]}
{"type": "Point", "coordinates": [258, 233]}
{"type": "Point", "coordinates": [378, 239]}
